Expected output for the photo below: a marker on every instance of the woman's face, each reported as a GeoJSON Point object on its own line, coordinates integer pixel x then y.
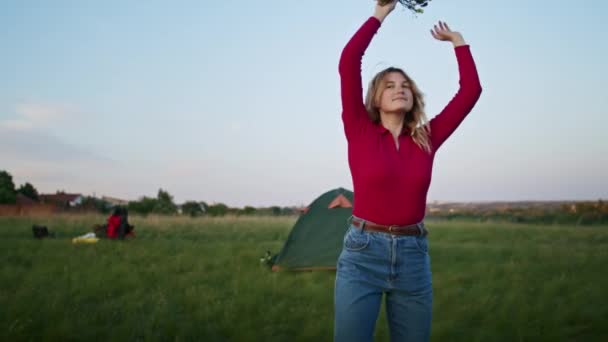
{"type": "Point", "coordinates": [396, 96]}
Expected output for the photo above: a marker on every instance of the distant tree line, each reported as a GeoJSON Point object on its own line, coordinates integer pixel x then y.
{"type": "Point", "coordinates": [576, 213]}
{"type": "Point", "coordinates": [194, 209]}
{"type": "Point", "coordinates": [8, 192]}
{"type": "Point", "coordinates": [162, 204]}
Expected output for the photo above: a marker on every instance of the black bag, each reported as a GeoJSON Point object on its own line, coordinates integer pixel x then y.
{"type": "Point", "coordinates": [41, 232]}
{"type": "Point", "coordinates": [124, 228]}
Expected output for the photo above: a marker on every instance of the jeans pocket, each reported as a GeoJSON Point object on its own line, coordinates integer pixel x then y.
{"type": "Point", "coordinates": [355, 240]}
{"type": "Point", "coordinates": [421, 243]}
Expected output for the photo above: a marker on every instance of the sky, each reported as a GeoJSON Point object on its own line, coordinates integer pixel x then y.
{"type": "Point", "coordinates": [238, 102]}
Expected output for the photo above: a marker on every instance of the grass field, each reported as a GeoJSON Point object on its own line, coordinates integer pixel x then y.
{"type": "Point", "coordinates": [201, 279]}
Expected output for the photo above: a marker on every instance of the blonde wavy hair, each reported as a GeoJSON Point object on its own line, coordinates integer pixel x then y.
{"type": "Point", "coordinates": [415, 120]}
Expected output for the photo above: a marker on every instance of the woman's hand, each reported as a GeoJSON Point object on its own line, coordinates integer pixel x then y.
{"type": "Point", "coordinates": [384, 8]}
{"type": "Point", "coordinates": [442, 32]}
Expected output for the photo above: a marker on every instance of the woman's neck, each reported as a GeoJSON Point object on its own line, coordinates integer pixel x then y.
{"type": "Point", "coordinates": [393, 122]}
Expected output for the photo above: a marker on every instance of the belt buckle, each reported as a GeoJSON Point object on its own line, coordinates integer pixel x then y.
{"type": "Point", "coordinates": [391, 229]}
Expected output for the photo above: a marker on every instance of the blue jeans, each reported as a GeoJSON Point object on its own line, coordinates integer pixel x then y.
{"type": "Point", "coordinates": [372, 264]}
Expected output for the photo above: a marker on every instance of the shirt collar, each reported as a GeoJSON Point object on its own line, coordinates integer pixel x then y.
{"type": "Point", "coordinates": [382, 130]}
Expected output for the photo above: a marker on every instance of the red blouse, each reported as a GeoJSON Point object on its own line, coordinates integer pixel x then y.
{"type": "Point", "coordinates": [390, 184]}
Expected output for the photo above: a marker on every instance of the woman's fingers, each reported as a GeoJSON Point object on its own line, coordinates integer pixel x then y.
{"type": "Point", "coordinates": [441, 31]}
{"type": "Point", "coordinates": [442, 26]}
{"type": "Point", "coordinates": [434, 34]}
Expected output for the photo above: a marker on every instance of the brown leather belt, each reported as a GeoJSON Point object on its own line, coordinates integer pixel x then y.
{"type": "Point", "coordinates": [412, 229]}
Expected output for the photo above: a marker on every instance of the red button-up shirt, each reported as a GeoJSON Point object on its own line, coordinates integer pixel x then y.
{"type": "Point", "coordinates": [390, 183]}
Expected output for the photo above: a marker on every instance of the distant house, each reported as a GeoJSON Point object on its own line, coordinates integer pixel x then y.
{"type": "Point", "coordinates": [62, 199]}
{"type": "Point", "coordinates": [24, 200]}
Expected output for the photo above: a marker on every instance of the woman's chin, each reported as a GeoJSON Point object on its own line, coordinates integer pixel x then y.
{"type": "Point", "coordinates": [398, 110]}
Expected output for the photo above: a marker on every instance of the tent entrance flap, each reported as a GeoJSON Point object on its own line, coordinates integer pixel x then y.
{"type": "Point", "coordinates": [340, 202]}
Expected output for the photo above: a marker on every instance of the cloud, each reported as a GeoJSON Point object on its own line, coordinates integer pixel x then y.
{"type": "Point", "coordinates": [31, 116]}
{"type": "Point", "coordinates": [31, 135]}
{"type": "Point", "coordinates": [37, 145]}
{"type": "Point", "coordinates": [51, 164]}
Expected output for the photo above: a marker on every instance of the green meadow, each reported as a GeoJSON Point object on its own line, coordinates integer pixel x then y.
{"type": "Point", "coordinates": [201, 279]}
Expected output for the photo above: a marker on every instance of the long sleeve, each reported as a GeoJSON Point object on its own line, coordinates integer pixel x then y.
{"type": "Point", "coordinates": [446, 122]}
{"type": "Point", "coordinates": [353, 108]}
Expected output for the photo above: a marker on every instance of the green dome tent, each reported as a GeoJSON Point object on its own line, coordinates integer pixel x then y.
{"type": "Point", "coordinates": [315, 241]}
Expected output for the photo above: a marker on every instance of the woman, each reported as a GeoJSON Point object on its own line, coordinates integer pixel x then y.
{"type": "Point", "coordinates": [391, 148]}
{"type": "Point", "coordinates": [118, 226]}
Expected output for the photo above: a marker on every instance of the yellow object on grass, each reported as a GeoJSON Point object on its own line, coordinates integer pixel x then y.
{"type": "Point", "coordinates": [87, 238]}
{"type": "Point", "coordinates": [84, 240]}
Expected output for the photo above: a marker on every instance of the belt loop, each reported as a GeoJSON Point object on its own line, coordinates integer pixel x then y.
{"type": "Point", "coordinates": [353, 217]}
{"type": "Point", "coordinates": [361, 222]}
{"type": "Point", "coordinates": [421, 228]}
